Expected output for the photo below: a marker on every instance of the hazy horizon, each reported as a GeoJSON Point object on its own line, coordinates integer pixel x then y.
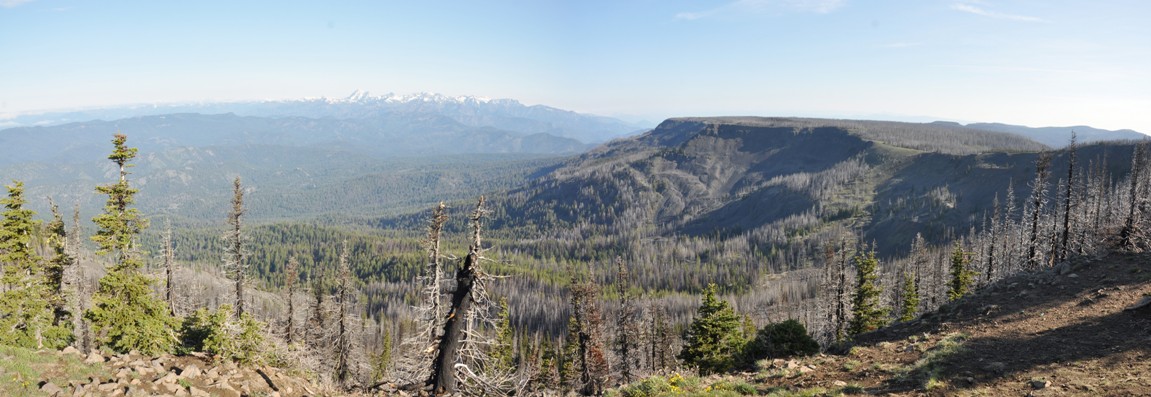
{"type": "Point", "coordinates": [960, 60]}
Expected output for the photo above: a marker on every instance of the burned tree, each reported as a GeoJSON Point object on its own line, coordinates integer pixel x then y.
{"type": "Point", "coordinates": [469, 292]}
{"type": "Point", "coordinates": [169, 266]}
{"type": "Point", "coordinates": [434, 273]}
{"type": "Point", "coordinates": [1038, 199]}
{"type": "Point", "coordinates": [993, 232]}
{"type": "Point", "coordinates": [661, 340]}
{"type": "Point", "coordinates": [589, 356]}
{"type": "Point", "coordinates": [420, 349]}
{"type": "Point", "coordinates": [1068, 198]}
{"type": "Point", "coordinates": [627, 325]}
{"type": "Point", "coordinates": [344, 330]}
{"type": "Point", "coordinates": [1132, 236]}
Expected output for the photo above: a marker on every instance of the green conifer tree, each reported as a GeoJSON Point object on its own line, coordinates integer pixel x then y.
{"type": "Point", "coordinates": [56, 267]}
{"type": "Point", "coordinates": [961, 276]}
{"type": "Point", "coordinates": [866, 314]}
{"type": "Point", "coordinates": [503, 351]}
{"type": "Point", "coordinates": [715, 337]}
{"type": "Point", "coordinates": [381, 361]}
{"type": "Point", "coordinates": [909, 298]}
{"type": "Point", "coordinates": [126, 315]}
{"type": "Point", "coordinates": [27, 317]}
{"type": "Point", "coordinates": [569, 370]}
{"type": "Point", "coordinates": [548, 375]}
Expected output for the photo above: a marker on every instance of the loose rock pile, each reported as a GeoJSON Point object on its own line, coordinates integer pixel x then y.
{"type": "Point", "coordinates": [193, 375]}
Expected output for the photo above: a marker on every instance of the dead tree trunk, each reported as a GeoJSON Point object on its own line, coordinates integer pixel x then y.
{"type": "Point", "coordinates": [627, 325]}
{"type": "Point", "coordinates": [1131, 237]}
{"type": "Point", "coordinates": [169, 266]}
{"type": "Point", "coordinates": [1038, 198]}
{"type": "Point", "coordinates": [343, 338]}
{"type": "Point", "coordinates": [1067, 198]}
{"type": "Point", "coordinates": [992, 234]}
{"type": "Point", "coordinates": [443, 368]}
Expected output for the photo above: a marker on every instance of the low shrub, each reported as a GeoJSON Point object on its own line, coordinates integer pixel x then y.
{"type": "Point", "coordinates": [785, 339]}
{"type": "Point", "coordinates": [221, 334]}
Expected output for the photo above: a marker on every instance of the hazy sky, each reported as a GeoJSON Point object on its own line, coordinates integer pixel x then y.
{"type": "Point", "coordinates": [1032, 62]}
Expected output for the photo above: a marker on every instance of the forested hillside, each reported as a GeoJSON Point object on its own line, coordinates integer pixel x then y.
{"type": "Point", "coordinates": [290, 183]}
{"type": "Point", "coordinates": [821, 221]}
{"type": "Point", "coordinates": [776, 182]}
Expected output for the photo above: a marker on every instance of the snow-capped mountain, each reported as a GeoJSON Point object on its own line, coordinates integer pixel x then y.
{"type": "Point", "coordinates": [471, 111]}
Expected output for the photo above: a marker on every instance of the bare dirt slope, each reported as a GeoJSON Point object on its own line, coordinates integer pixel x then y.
{"type": "Point", "coordinates": [1066, 331]}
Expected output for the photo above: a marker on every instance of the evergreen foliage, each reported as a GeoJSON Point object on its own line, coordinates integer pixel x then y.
{"type": "Point", "coordinates": [119, 225]}
{"type": "Point", "coordinates": [126, 315]}
{"type": "Point", "coordinates": [503, 352]}
{"type": "Point", "coordinates": [778, 340]}
{"type": "Point", "coordinates": [381, 361]}
{"type": "Point", "coordinates": [27, 316]}
{"type": "Point", "coordinates": [291, 276]}
{"type": "Point", "coordinates": [961, 276]}
{"type": "Point", "coordinates": [909, 298]}
{"type": "Point", "coordinates": [236, 256]}
{"type": "Point", "coordinates": [549, 365]}
{"type": "Point", "coordinates": [569, 372]}
{"type": "Point", "coordinates": [56, 267]}
{"type": "Point", "coordinates": [715, 337]}
{"type": "Point", "coordinates": [866, 313]}
{"type": "Point", "coordinates": [224, 335]}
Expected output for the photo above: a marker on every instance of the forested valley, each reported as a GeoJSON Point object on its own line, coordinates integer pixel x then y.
{"type": "Point", "coordinates": [702, 245]}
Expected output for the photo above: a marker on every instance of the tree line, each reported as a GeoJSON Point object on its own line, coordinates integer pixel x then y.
{"type": "Point", "coordinates": [454, 330]}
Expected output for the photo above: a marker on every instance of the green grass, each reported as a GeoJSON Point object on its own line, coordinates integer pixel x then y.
{"type": "Point", "coordinates": [927, 371]}
{"type": "Point", "coordinates": [22, 370]}
{"type": "Point", "coordinates": [685, 386]}
{"type": "Point", "coordinates": [853, 389]}
{"type": "Point", "coordinates": [812, 392]}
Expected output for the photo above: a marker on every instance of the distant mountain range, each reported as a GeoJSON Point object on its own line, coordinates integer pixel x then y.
{"type": "Point", "coordinates": [389, 153]}
{"type": "Point", "coordinates": [466, 111]}
{"type": "Point", "coordinates": [1057, 137]}
{"type": "Point", "coordinates": [392, 135]}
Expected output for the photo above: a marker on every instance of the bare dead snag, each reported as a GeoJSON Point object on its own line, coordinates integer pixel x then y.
{"type": "Point", "coordinates": [444, 367]}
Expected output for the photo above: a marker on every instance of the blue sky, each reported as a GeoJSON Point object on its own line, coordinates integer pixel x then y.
{"type": "Point", "coordinates": [1035, 63]}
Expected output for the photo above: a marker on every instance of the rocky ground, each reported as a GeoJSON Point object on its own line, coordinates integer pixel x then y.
{"type": "Point", "coordinates": [1077, 329]}
{"type": "Point", "coordinates": [71, 373]}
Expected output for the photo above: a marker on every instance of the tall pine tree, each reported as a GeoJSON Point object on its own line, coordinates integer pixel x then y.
{"type": "Point", "coordinates": [57, 267]}
{"type": "Point", "coordinates": [961, 276]}
{"type": "Point", "coordinates": [909, 298]}
{"type": "Point", "coordinates": [27, 316]}
{"type": "Point", "coordinates": [235, 258]}
{"type": "Point", "coordinates": [126, 315]}
{"type": "Point", "coordinates": [867, 315]}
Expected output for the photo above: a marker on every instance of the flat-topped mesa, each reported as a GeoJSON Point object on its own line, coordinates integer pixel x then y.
{"type": "Point", "coordinates": [950, 138]}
